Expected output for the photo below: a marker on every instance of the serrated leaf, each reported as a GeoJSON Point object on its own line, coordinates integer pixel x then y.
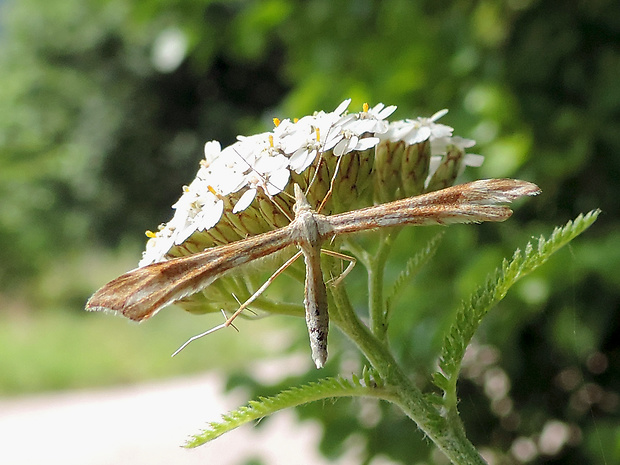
{"type": "Point", "coordinates": [366, 376]}
{"type": "Point", "coordinates": [414, 265]}
{"type": "Point", "coordinates": [323, 389]}
{"type": "Point", "coordinates": [441, 381]}
{"type": "Point", "coordinates": [472, 311]}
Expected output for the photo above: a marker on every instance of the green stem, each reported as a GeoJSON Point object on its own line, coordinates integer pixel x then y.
{"type": "Point", "coordinates": [448, 435]}
{"type": "Point", "coordinates": [376, 273]}
{"type": "Point", "coordinates": [445, 431]}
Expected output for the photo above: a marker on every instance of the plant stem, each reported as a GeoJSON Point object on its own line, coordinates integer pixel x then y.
{"type": "Point", "coordinates": [445, 431]}
{"type": "Point", "coordinates": [376, 269]}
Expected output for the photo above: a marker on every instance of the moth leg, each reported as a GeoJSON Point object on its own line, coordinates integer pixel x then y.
{"type": "Point", "coordinates": [243, 306]}
{"type": "Point", "coordinates": [352, 261]}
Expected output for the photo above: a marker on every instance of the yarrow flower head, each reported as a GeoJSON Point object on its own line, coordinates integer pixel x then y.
{"type": "Point", "coordinates": [245, 188]}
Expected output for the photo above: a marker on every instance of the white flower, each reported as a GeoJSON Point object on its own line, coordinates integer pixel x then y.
{"type": "Point", "coordinates": [380, 111]}
{"type": "Point", "coordinates": [347, 136]}
{"type": "Point", "coordinates": [270, 173]}
{"type": "Point", "coordinates": [225, 173]}
{"type": "Point", "coordinates": [418, 130]}
{"type": "Point", "coordinates": [351, 141]}
{"type": "Point", "coordinates": [439, 148]}
{"type": "Point", "coordinates": [302, 146]}
{"type": "Point", "coordinates": [371, 120]}
{"type": "Point", "coordinates": [309, 136]}
{"type": "Point", "coordinates": [265, 161]}
{"type": "Point", "coordinates": [198, 209]}
{"type": "Point", "coordinates": [439, 145]}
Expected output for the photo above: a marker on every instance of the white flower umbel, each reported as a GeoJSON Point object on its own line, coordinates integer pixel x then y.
{"type": "Point", "coordinates": [230, 179]}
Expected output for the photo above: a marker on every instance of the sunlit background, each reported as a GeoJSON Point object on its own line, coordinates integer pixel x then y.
{"type": "Point", "coordinates": [104, 109]}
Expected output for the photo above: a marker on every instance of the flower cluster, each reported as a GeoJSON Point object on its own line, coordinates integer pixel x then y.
{"type": "Point", "coordinates": [230, 180]}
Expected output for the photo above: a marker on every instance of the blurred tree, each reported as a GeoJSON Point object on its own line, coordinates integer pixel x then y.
{"type": "Point", "coordinates": [106, 105]}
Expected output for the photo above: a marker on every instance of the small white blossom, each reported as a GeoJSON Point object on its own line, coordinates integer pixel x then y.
{"type": "Point", "coordinates": [380, 111]}
{"type": "Point", "coordinates": [439, 148]}
{"type": "Point", "coordinates": [418, 130]}
{"type": "Point", "coordinates": [265, 161]}
{"type": "Point", "coordinates": [370, 121]}
{"type": "Point", "coordinates": [352, 141]}
{"type": "Point", "coordinates": [439, 145]}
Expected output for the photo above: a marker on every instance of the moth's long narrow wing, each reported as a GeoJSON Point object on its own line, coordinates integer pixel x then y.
{"type": "Point", "coordinates": [473, 202]}
{"type": "Point", "coordinates": [142, 292]}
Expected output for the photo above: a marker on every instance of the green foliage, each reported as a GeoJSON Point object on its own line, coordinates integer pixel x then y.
{"type": "Point", "coordinates": [412, 268]}
{"type": "Point", "coordinates": [369, 385]}
{"type": "Point", "coordinates": [438, 418]}
{"type": "Point", "coordinates": [471, 313]}
{"type": "Point", "coordinates": [96, 142]}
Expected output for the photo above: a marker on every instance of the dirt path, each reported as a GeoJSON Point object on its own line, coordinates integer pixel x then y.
{"type": "Point", "coordinates": [146, 424]}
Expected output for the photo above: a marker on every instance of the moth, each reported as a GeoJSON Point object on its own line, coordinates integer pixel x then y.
{"type": "Point", "coordinates": [142, 292]}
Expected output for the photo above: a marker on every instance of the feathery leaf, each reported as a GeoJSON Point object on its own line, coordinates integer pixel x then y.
{"type": "Point", "coordinates": [323, 389]}
{"type": "Point", "coordinates": [472, 311]}
{"type": "Point", "coordinates": [414, 265]}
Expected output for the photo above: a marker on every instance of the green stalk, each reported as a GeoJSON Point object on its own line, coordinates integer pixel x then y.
{"type": "Point", "coordinates": [376, 272]}
{"type": "Point", "coordinates": [445, 431]}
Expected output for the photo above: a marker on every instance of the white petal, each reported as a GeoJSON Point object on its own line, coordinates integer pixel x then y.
{"type": "Point", "coordinates": [267, 163]}
{"type": "Point", "coordinates": [334, 136]}
{"type": "Point", "coordinates": [439, 114]}
{"type": "Point", "coordinates": [342, 107]}
{"type": "Point", "coordinates": [462, 143]}
{"type": "Point", "coordinates": [441, 130]}
{"type": "Point", "coordinates": [277, 181]}
{"type": "Point", "coordinates": [228, 180]}
{"type": "Point", "coordinates": [344, 121]}
{"type": "Point", "coordinates": [397, 129]}
{"type": "Point", "coordinates": [418, 135]}
{"type": "Point", "coordinates": [472, 159]}
{"type": "Point", "coordinates": [432, 167]}
{"type": "Point", "coordinates": [245, 200]}
{"type": "Point", "coordinates": [367, 143]}
{"type": "Point", "coordinates": [212, 151]}
{"type": "Point", "coordinates": [387, 111]}
{"type": "Point", "coordinates": [363, 125]}
{"type": "Point", "coordinates": [156, 250]}
{"type": "Point", "coordinates": [301, 159]}
{"type": "Point", "coordinates": [344, 146]}
{"type": "Point", "coordinates": [182, 234]}
{"type": "Point", "coordinates": [209, 215]}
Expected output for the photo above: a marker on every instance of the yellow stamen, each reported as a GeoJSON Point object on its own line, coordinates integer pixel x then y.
{"type": "Point", "coordinates": [365, 107]}
{"type": "Point", "coordinates": [212, 190]}
{"type": "Point", "coordinates": [185, 188]}
{"type": "Point", "coordinates": [276, 122]}
{"type": "Point", "coordinates": [318, 134]}
{"type": "Point", "coordinates": [295, 120]}
{"type": "Point", "coordinates": [150, 234]}
{"type": "Point", "coordinates": [271, 140]}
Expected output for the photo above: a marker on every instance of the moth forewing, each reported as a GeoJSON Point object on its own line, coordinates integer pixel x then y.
{"type": "Point", "coordinates": [142, 292]}
{"type": "Point", "coordinates": [473, 202]}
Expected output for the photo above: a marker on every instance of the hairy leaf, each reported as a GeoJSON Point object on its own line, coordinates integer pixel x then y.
{"type": "Point", "coordinates": [369, 385]}
{"type": "Point", "coordinates": [472, 311]}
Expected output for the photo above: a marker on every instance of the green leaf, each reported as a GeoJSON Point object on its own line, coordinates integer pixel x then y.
{"type": "Point", "coordinates": [471, 312]}
{"type": "Point", "coordinates": [323, 389]}
{"type": "Point", "coordinates": [414, 265]}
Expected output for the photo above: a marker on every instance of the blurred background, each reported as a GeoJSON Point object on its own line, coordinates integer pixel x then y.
{"type": "Point", "coordinates": [105, 107]}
